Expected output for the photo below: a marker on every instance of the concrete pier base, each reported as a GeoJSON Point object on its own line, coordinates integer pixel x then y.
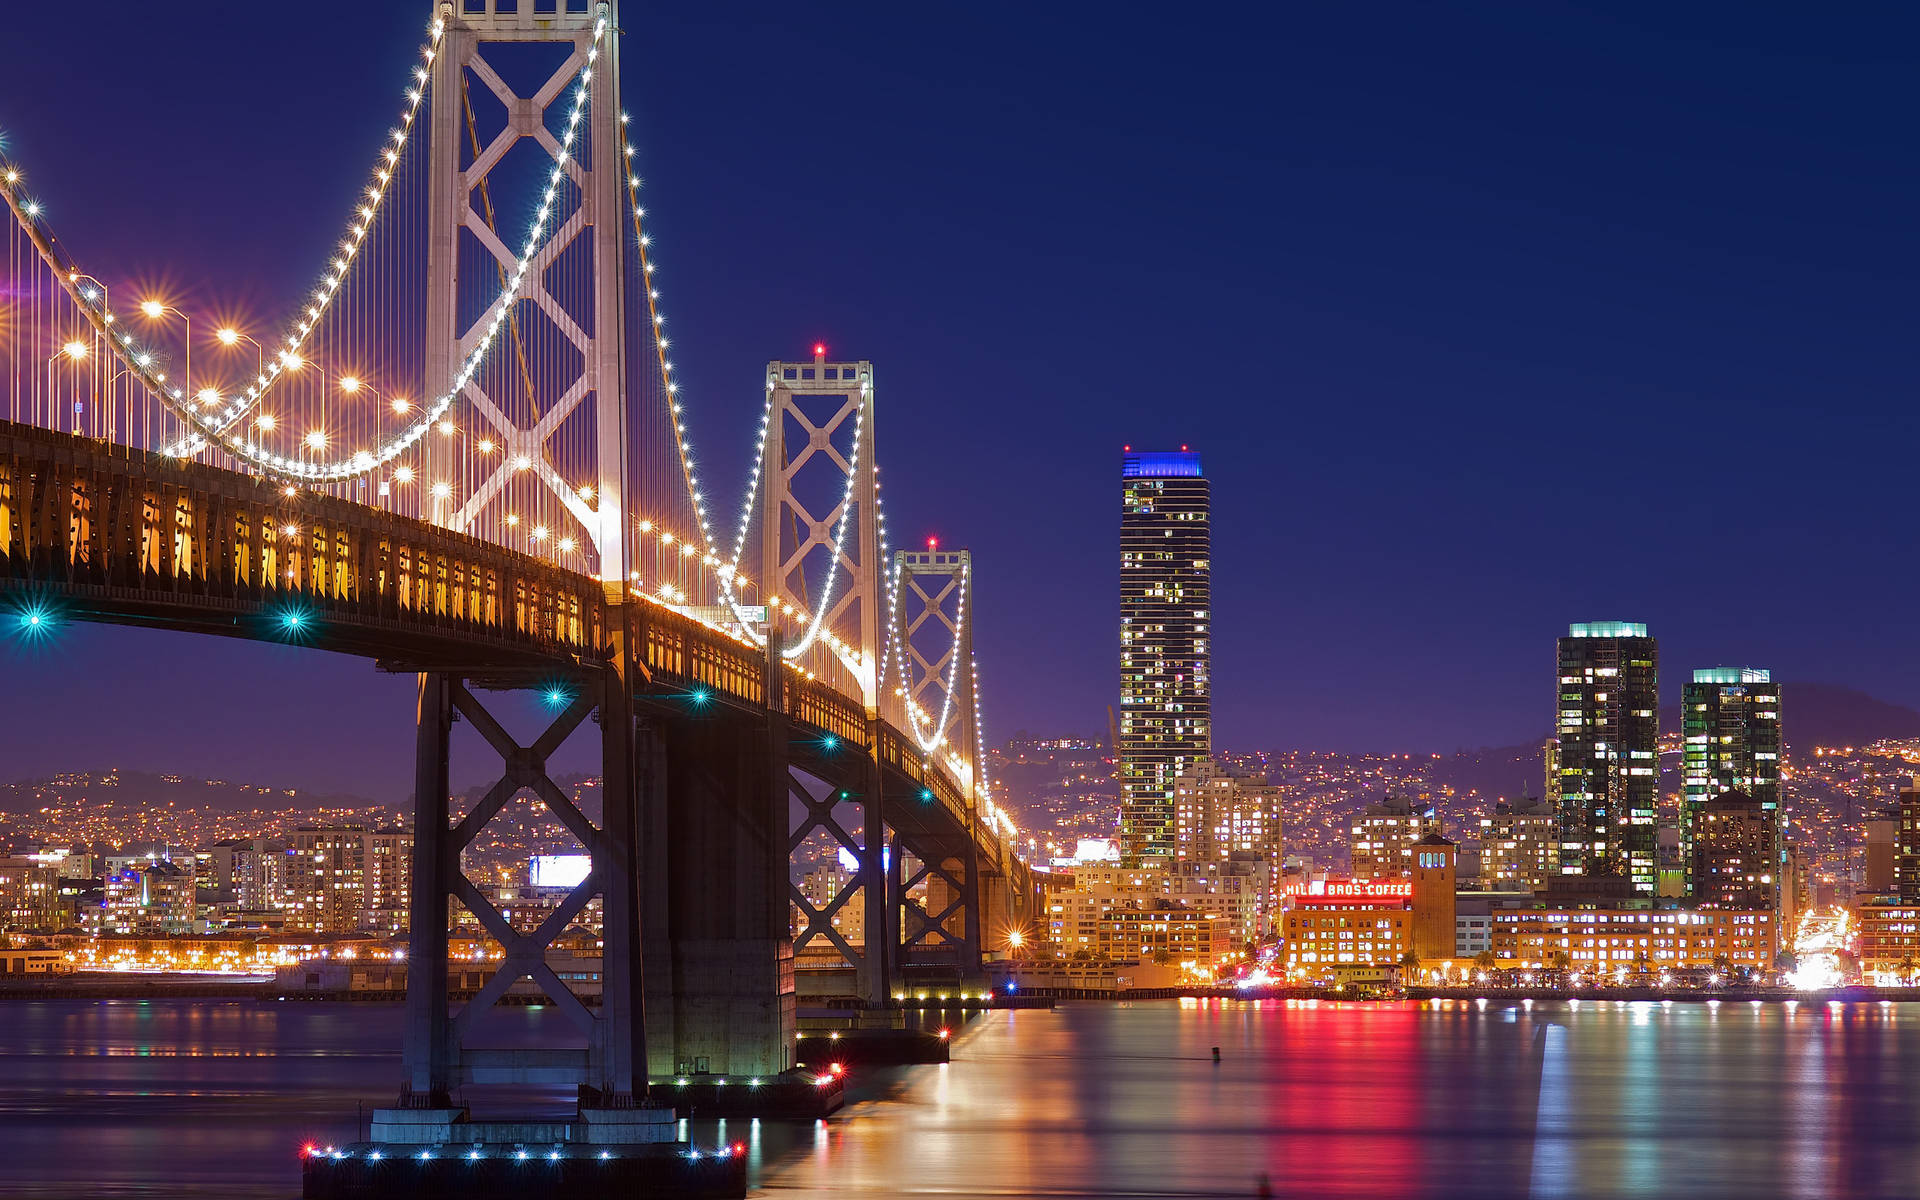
{"type": "Point", "coordinates": [402, 1127]}
{"type": "Point", "coordinates": [534, 1170]}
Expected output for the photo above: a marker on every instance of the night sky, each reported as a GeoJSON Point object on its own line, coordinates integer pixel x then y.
{"type": "Point", "coordinates": [1485, 319]}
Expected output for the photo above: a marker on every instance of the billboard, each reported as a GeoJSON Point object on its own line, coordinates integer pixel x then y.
{"type": "Point", "coordinates": [560, 870]}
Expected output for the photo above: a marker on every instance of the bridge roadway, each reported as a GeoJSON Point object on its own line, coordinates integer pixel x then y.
{"type": "Point", "coordinates": [95, 531]}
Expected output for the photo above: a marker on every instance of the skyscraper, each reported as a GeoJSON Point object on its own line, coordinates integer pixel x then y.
{"type": "Point", "coordinates": [1608, 723]}
{"type": "Point", "coordinates": [1165, 610]}
{"type": "Point", "coordinates": [1730, 718]}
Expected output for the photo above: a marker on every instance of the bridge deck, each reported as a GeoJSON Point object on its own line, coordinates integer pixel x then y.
{"type": "Point", "coordinates": [102, 532]}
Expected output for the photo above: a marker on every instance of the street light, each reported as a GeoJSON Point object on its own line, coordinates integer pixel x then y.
{"type": "Point", "coordinates": [73, 352]}
{"type": "Point", "coordinates": [154, 310]}
{"type": "Point", "coordinates": [229, 336]}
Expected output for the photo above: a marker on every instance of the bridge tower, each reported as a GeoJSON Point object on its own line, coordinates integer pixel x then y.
{"type": "Point", "coordinates": [611, 1067]}
{"type": "Point", "coordinates": [931, 659]}
{"type": "Point", "coordinates": [822, 413]}
{"type": "Point", "coordinates": [590, 319]}
{"type": "Point", "coordinates": [820, 514]}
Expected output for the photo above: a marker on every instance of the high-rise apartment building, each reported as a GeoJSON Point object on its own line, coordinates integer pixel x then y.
{"type": "Point", "coordinates": [1165, 613]}
{"type": "Point", "coordinates": [1735, 858]}
{"type": "Point", "coordinates": [1608, 724]}
{"type": "Point", "coordinates": [1217, 814]}
{"type": "Point", "coordinates": [1730, 719]}
{"type": "Point", "coordinates": [1384, 834]}
{"type": "Point", "coordinates": [1907, 847]}
{"type": "Point", "coordinates": [1519, 846]}
{"type": "Point", "coordinates": [29, 895]}
{"type": "Point", "coordinates": [342, 878]}
{"type": "Point", "coordinates": [149, 897]}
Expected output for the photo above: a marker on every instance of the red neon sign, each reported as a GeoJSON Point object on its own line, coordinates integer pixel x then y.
{"type": "Point", "coordinates": [1349, 891]}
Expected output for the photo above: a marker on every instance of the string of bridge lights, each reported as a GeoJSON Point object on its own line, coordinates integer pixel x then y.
{"type": "Point", "coordinates": [728, 568]}
{"type": "Point", "coordinates": [656, 329]}
{"type": "Point", "coordinates": [358, 227]}
{"type": "Point", "coordinates": [898, 637]}
{"type": "Point", "coordinates": [210, 424]}
{"type": "Point", "coordinates": [140, 361]}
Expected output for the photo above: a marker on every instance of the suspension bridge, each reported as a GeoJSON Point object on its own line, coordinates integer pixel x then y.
{"type": "Point", "coordinates": [465, 455]}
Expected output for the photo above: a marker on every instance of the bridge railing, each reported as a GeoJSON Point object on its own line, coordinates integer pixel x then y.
{"type": "Point", "coordinates": [898, 751]}
{"type": "Point", "coordinates": [681, 652]}
{"type": "Point", "coordinates": [91, 517]}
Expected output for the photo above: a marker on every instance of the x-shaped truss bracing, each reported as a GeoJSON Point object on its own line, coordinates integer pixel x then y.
{"type": "Point", "coordinates": [597, 175]}
{"type": "Point", "coordinates": [935, 586]}
{"type": "Point", "coordinates": [820, 815]}
{"type": "Point", "coordinates": [921, 925]}
{"type": "Point", "coordinates": [853, 610]}
{"type": "Point", "coordinates": [524, 768]}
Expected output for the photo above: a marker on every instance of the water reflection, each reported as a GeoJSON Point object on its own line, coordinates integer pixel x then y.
{"type": "Point", "coordinates": [1401, 1099]}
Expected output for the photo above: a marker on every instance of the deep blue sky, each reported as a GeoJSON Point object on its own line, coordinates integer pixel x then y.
{"type": "Point", "coordinates": [1486, 318]}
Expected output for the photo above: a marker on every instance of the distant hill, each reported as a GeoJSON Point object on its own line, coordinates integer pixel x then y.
{"type": "Point", "coordinates": [142, 789]}
{"type": "Point", "coordinates": [1816, 714]}
{"type": "Point", "coordinates": [1826, 714]}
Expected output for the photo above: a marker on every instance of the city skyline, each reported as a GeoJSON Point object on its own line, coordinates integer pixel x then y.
{"type": "Point", "coordinates": [568, 631]}
{"type": "Point", "coordinates": [1353, 480]}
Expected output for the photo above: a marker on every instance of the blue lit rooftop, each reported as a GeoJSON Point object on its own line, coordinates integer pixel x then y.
{"type": "Point", "coordinates": [1607, 629]}
{"type": "Point", "coordinates": [1732, 675]}
{"type": "Point", "coordinates": [1160, 464]}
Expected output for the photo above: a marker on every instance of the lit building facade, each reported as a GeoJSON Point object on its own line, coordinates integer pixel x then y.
{"type": "Point", "coordinates": [1519, 846]}
{"type": "Point", "coordinates": [1165, 719]}
{"type": "Point", "coordinates": [30, 895]}
{"type": "Point", "coordinates": [343, 878]}
{"type": "Point", "coordinates": [1610, 941]}
{"type": "Point", "coordinates": [1333, 925]}
{"type": "Point", "coordinates": [148, 897]}
{"type": "Point", "coordinates": [1734, 858]}
{"type": "Point", "coordinates": [1218, 814]}
{"type": "Point", "coordinates": [819, 886]}
{"type": "Point", "coordinates": [1730, 722]}
{"type": "Point", "coordinates": [1608, 724]}
{"type": "Point", "coordinates": [1906, 866]}
{"type": "Point", "coordinates": [1382, 837]}
{"type": "Point", "coordinates": [1889, 940]}
{"type": "Point", "coordinates": [1232, 899]}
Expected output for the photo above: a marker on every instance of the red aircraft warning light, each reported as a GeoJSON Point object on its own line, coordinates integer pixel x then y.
{"type": "Point", "coordinates": [819, 349]}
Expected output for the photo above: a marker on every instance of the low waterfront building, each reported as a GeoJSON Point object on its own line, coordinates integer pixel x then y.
{"type": "Point", "coordinates": [1615, 940]}
{"type": "Point", "coordinates": [1334, 924]}
{"type": "Point", "coordinates": [1231, 896]}
{"type": "Point", "coordinates": [40, 960]}
{"type": "Point", "coordinates": [1889, 940]}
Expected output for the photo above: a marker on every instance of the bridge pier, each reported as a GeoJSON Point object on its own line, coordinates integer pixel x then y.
{"type": "Point", "coordinates": [720, 956]}
{"type": "Point", "coordinates": [879, 965]}
{"type": "Point", "coordinates": [608, 1066]}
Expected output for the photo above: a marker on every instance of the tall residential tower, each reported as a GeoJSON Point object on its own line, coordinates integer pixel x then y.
{"type": "Point", "coordinates": [1730, 717]}
{"type": "Point", "coordinates": [1165, 610]}
{"type": "Point", "coordinates": [1609, 724]}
